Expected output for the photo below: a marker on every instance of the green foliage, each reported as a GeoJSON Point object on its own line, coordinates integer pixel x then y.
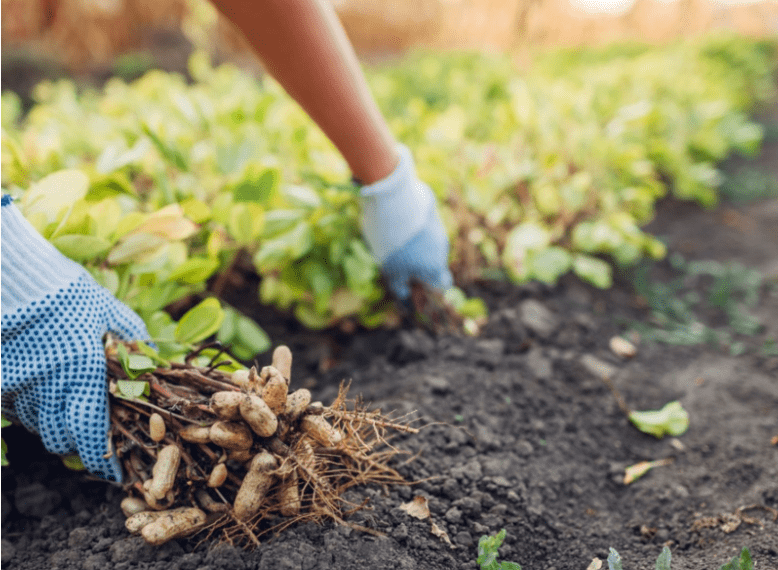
{"type": "Point", "coordinates": [157, 185]}
{"type": "Point", "coordinates": [487, 553]}
{"type": "Point", "coordinates": [740, 562]}
{"type": "Point", "coordinates": [200, 322]}
{"type": "Point", "coordinates": [672, 419]}
{"type": "Point", "coordinates": [748, 184]}
{"type": "Point", "coordinates": [701, 292]}
{"type": "Point", "coordinates": [73, 462]}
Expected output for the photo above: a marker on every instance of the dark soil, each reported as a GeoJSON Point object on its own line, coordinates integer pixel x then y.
{"type": "Point", "coordinates": [525, 436]}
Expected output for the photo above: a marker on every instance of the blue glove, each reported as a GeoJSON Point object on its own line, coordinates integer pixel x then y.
{"type": "Point", "coordinates": [54, 315]}
{"type": "Point", "coordinates": [402, 226]}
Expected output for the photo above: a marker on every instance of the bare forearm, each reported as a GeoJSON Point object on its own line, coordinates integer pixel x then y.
{"type": "Point", "coordinates": [303, 46]}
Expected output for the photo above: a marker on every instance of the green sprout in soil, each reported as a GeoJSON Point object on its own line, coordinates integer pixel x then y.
{"type": "Point", "coordinates": [739, 562]}
{"type": "Point", "coordinates": [705, 302]}
{"type": "Point", "coordinates": [662, 563]}
{"type": "Point", "coordinates": [487, 553]}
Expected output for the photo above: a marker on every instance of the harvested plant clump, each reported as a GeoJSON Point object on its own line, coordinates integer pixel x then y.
{"type": "Point", "coordinates": [234, 455]}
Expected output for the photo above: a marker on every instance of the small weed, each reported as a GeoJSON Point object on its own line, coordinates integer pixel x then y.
{"type": "Point", "coordinates": [706, 302]}
{"type": "Point", "coordinates": [487, 553]}
{"type": "Point", "coordinates": [739, 562]}
{"type": "Point", "coordinates": [749, 184]}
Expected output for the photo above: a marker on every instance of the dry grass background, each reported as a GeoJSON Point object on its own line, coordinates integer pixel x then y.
{"type": "Point", "coordinates": [84, 33]}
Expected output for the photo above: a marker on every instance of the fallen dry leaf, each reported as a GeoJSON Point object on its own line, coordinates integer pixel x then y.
{"type": "Point", "coordinates": [596, 564]}
{"type": "Point", "coordinates": [417, 508]}
{"type": "Point", "coordinates": [441, 534]}
{"type": "Point", "coordinates": [636, 471]}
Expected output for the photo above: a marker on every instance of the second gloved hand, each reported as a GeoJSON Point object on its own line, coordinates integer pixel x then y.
{"type": "Point", "coordinates": [54, 316]}
{"type": "Point", "coordinates": [402, 226]}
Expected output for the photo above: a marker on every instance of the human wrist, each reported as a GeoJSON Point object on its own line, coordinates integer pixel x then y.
{"type": "Point", "coordinates": [395, 208]}
{"type": "Point", "coordinates": [31, 267]}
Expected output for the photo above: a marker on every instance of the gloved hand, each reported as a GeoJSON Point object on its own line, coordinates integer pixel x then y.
{"type": "Point", "coordinates": [402, 226]}
{"type": "Point", "coordinates": [54, 315]}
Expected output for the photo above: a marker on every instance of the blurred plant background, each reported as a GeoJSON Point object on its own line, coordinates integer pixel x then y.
{"type": "Point", "coordinates": [143, 140]}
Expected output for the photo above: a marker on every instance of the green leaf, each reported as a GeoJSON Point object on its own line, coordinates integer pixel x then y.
{"type": "Point", "coordinates": [132, 389]}
{"type": "Point", "coordinates": [256, 186]}
{"type": "Point", "coordinates": [172, 155]}
{"type": "Point", "coordinates": [55, 193]}
{"type": "Point", "coordinates": [593, 270]}
{"type": "Point", "coordinates": [614, 560]}
{"type": "Point", "coordinates": [152, 354]}
{"type": "Point", "coordinates": [73, 462]}
{"type": "Point", "coordinates": [549, 264]}
{"type": "Point", "coordinates": [745, 560]}
{"type": "Point", "coordinates": [4, 422]}
{"type": "Point", "coordinates": [303, 196]}
{"type": "Point", "coordinates": [194, 270]}
{"type": "Point", "coordinates": [229, 326]}
{"type": "Point", "coordinates": [251, 336]}
{"type": "Point", "coordinates": [3, 450]}
{"type": "Point", "coordinates": [200, 322]}
{"type": "Point", "coordinates": [135, 247]}
{"type": "Point", "coordinates": [81, 247]}
{"type": "Point", "coordinates": [671, 419]}
{"type": "Point", "coordinates": [663, 562]}
{"type": "Point", "coordinates": [134, 364]}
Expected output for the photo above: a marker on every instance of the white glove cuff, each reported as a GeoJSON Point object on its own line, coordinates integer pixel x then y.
{"type": "Point", "coordinates": [31, 266]}
{"type": "Point", "coordinates": [396, 208]}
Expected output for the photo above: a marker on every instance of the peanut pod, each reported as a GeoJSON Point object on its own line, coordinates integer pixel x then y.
{"type": "Point", "coordinates": [255, 382]}
{"type": "Point", "coordinates": [136, 522]}
{"type": "Point", "coordinates": [255, 485]}
{"type": "Point", "coordinates": [240, 455]}
{"type": "Point", "coordinates": [282, 361]}
{"type": "Point", "coordinates": [209, 504]}
{"type": "Point", "coordinates": [275, 390]}
{"type": "Point", "coordinates": [318, 428]}
{"type": "Point", "coordinates": [133, 505]}
{"type": "Point", "coordinates": [154, 503]}
{"type": "Point", "coordinates": [296, 403]}
{"type": "Point", "coordinates": [226, 405]}
{"type": "Point", "coordinates": [258, 415]}
{"type": "Point", "coordinates": [240, 378]}
{"type": "Point", "coordinates": [218, 475]}
{"type": "Point", "coordinates": [174, 524]}
{"type": "Point", "coordinates": [289, 496]}
{"type": "Point", "coordinates": [196, 434]}
{"type": "Point", "coordinates": [231, 435]}
{"type": "Point", "coordinates": [164, 471]}
{"type": "Point", "coordinates": [156, 427]}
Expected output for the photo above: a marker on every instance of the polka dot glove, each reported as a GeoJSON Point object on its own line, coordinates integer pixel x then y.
{"type": "Point", "coordinates": [54, 316]}
{"type": "Point", "coordinates": [402, 226]}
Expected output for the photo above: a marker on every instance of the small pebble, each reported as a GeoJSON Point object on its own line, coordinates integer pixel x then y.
{"type": "Point", "coordinates": [622, 347]}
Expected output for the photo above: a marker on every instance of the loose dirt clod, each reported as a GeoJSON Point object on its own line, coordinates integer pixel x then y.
{"type": "Point", "coordinates": [239, 446]}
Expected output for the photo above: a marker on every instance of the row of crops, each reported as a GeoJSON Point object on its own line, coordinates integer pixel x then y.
{"type": "Point", "coordinates": [158, 184]}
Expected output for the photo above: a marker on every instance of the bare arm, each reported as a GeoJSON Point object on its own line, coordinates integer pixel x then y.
{"type": "Point", "coordinates": [303, 45]}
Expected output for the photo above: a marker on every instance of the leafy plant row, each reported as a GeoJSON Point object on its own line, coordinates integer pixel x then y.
{"type": "Point", "coordinates": [157, 185]}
